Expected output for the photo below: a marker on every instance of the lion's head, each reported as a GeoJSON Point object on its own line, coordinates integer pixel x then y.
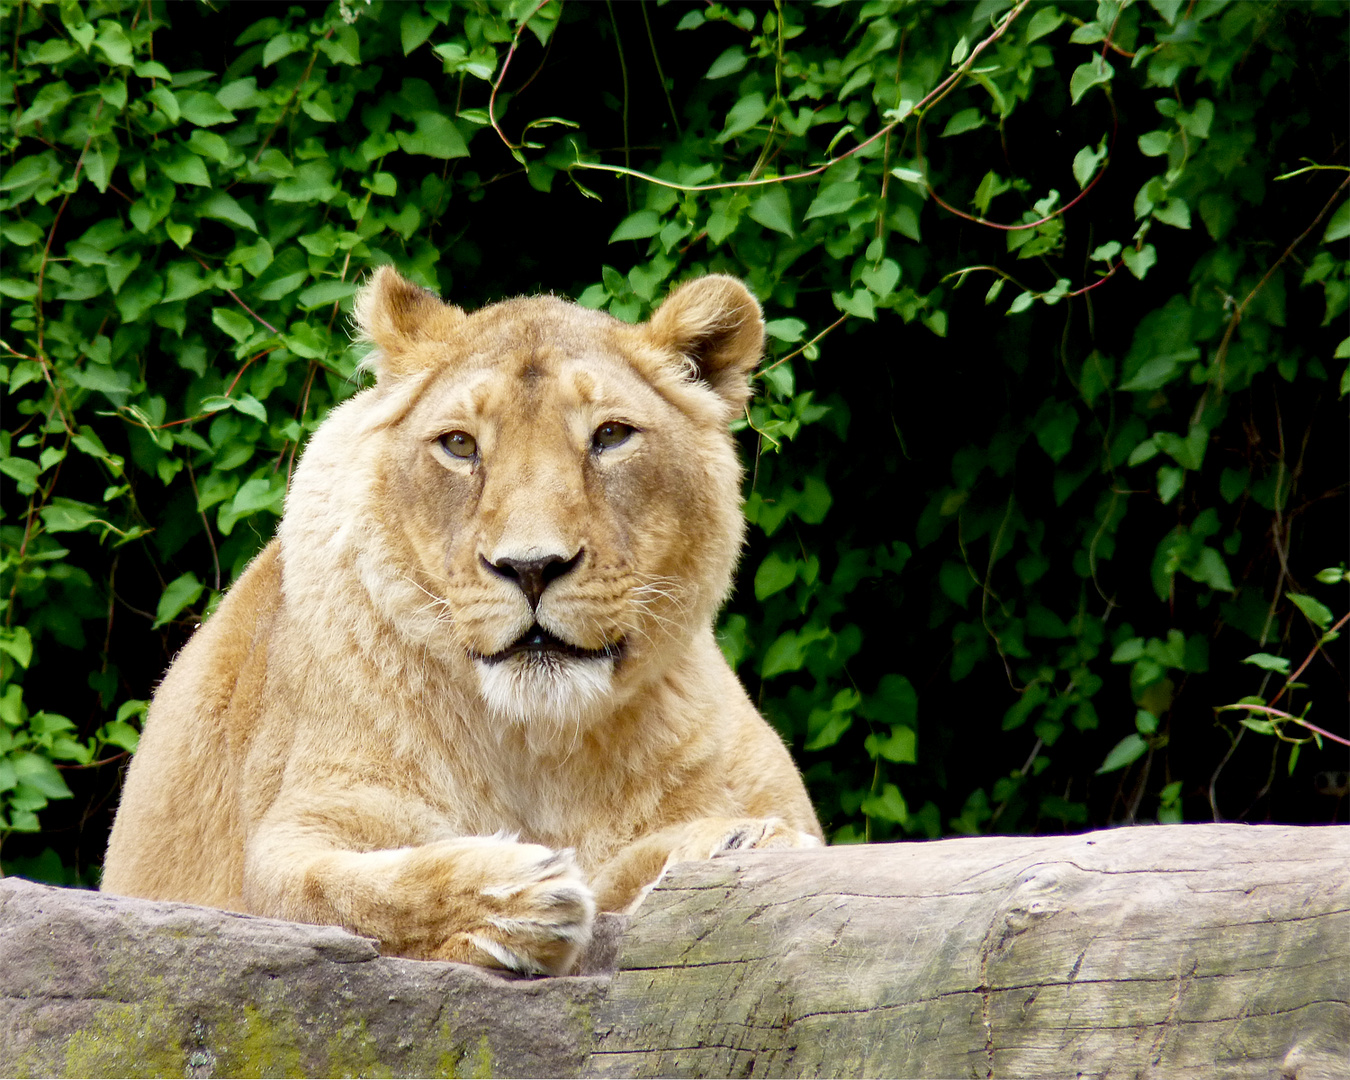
{"type": "Point", "coordinates": [537, 496]}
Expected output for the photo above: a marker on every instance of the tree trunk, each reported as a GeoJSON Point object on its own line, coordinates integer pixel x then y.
{"type": "Point", "coordinates": [1168, 951]}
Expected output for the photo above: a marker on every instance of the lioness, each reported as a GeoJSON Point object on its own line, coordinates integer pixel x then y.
{"type": "Point", "coordinates": [470, 692]}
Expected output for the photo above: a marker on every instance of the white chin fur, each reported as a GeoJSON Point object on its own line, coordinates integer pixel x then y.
{"type": "Point", "coordinates": [559, 692]}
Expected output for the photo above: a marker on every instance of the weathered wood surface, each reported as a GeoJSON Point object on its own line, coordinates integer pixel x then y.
{"type": "Point", "coordinates": [1179, 951]}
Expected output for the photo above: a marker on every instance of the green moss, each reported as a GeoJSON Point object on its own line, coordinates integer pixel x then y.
{"type": "Point", "coordinates": [259, 1044]}
{"type": "Point", "coordinates": [134, 1040]}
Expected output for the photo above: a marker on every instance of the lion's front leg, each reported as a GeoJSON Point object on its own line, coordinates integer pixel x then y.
{"type": "Point", "coordinates": [479, 900]}
{"type": "Point", "coordinates": [628, 876]}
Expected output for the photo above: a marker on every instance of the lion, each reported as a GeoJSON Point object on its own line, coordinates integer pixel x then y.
{"type": "Point", "coordinates": [470, 694]}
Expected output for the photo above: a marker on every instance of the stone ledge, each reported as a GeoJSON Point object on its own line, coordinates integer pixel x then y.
{"type": "Point", "coordinates": [1176, 951]}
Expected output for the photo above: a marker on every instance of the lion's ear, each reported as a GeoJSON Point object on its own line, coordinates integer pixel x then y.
{"type": "Point", "coordinates": [716, 324]}
{"type": "Point", "coordinates": [396, 317]}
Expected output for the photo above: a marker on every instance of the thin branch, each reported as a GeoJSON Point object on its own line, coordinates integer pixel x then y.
{"type": "Point", "coordinates": [798, 352]}
{"type": "Point", "coordinates": [815, 170]}
{"type": "Point", "coordinates": [661, 75]}
{"type": "Point", "coordinates": [492, 98]}
{"type": "Point", "coordinates": [623, 71]}
{"type": "Point", "coordinates": [1237, 314]}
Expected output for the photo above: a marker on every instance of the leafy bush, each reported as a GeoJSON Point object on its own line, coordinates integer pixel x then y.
{"type": "Point", "coordinates": [1050, 439]}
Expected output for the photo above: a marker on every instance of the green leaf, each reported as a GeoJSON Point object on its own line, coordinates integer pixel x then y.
{"type": "Point", "coordinates": [825, 728]}
{"type": "Point", "coordinates": [785, 654]}
{"type": "Point", "coordinates": [899, 747]}
{"type": "Point", "coordinates": [1170, 481]}
{"type": "Point", "coordinates": [773, 210]}
{"type": "Point", "coordinates": [325, 292]}
{"type": "Point", "coordinates": [260, 493]}
{"type": "Point", "coordinates": [26, 233]}
{"type": "Point", "coordinates": [744, 115]}
{"type": "Point", "coordinates": [1043, 22]}
{"type": "Point", "coordinates": [859, 304]}
{"type": "Point", "coordinates": [1155, 143]}
{"type": "Point", "coordinates": [236, 325]}
{"type": "Point", "coordinates": [18, 643]}
{"type": "Point", "coordinates": [1094, 73]}
{"type": "Point", "coordinates": [182, 592]}
{"type": "Point", "coordinates": [312, 182]}
{"type": "Point", "coordinates": [1129, 750]}
{"type": "Point", "coordinates": [965, 120]}
{"type": "Point", "coordinates": [730, 62]}
{"type": "Point", "coordinates": [244, 403]}
{"type": "Point", "coordinates": [1316, 611]}
{"type": "Point", "coordinates": [120, 734]}
{"type": "Point", "coordinates": [435, 135]}
{"type": "Point", "coordinates": [637, 226]}
{"type": "Point", "coordinates": [67, 515]}
{"type": "Point", "coordinates": [27, 171]}
{"type": "Point", "coordinates": [186, 168]}
{"type": "Point", "coordinates": [344, 47]}
{"type": "Point", "coordinates": [179, 233]}
{"type": "Point", "coordinates": [414, 28]}
{"type": "Point", "coordinates": [788, 330]}
{"type": "Point", "coordinates": [1054, 425]}
{"type": "Point", "coordinates": [1210, 569]}
{"type": "Point", "coordinates": [1338, 228]}
{"type": "Point", "coordinates": [37, 772]}
{"type": "Point", "coordinates": [99, 161]}
{"type": "Point", "coordinates": [889, 805]}
{"type": "Point", "coordinates": [222, 207]}
{"type": "Point", "coordinates": [307, 341]}
{"type": "Point", "coordinates": [834, 198]}
{"type": "Point", "coordinates": [113, 43]}
{"type": "Point", "coordinates": [774, 575]}
{"type": "Point", "coordinates": [882, 279]}
{"type": "Point", "coordinates": [281, 46]}
{"type": "Point", "coordinates": [184, 280]}
{"type": "Point", "coordinates": [1268, 662]}
{"type": "Point", "coordinates": [1085, 163]}
{"type": "Point", "coordinates": [1139, 262]}
{"type": "Point", "coordinates": [1174, 212]}
{"type": "Point", "coordinates": [202, 109]}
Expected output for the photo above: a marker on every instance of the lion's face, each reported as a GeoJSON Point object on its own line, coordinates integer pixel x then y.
{"type": "Point", "coordinates": [551, 495]}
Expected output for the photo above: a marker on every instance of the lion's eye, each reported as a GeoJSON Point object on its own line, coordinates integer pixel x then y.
{"type": "Point", "coordinates": [609, 435]}
{"type": "Point", "coordinates": [459, 444]}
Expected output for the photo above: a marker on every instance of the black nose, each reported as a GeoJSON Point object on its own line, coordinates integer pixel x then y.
{"type": "Point", "coordinates": [533, 575]}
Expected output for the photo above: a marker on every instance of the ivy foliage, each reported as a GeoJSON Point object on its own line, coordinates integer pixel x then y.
{"type": "Point", "coordinates": [1048, 450]}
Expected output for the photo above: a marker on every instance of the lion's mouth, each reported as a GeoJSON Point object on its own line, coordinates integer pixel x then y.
{"type": "Point", "coordinates": [538, 641]}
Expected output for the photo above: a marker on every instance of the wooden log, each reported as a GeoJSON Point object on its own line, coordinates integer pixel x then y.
{"type": "Point", "coordinates": [1165, 951]}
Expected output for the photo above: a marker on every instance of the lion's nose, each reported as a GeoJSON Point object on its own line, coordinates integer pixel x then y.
{"type": "Point", "coordinates": [533, 575]}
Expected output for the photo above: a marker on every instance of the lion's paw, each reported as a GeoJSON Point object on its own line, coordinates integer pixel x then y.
{"type": "Point", "coordinates": [762, 833]}
{"type": "Point", "coordinates": [715, 836]}
{"type": "Point", "coordinates": [534, 913]}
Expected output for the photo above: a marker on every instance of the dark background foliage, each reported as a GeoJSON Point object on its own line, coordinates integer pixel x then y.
{"type": "Point", "coordinates": [1029, 506]}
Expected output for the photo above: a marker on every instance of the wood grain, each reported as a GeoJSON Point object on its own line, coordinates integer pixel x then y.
{"type": "Point", "coordinates": [1176, 951]}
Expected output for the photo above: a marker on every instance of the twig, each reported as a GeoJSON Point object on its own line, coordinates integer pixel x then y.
{"type": "Point", "coordinates": [815, 170]}
{"type": "Point", "coordinates": [1222, 352]}
{"type": "Point", "coordinates": [670, 103]}
{"type": "Point", "coordinates": [492, 98]}
{"type": "Point", "coordinates": [798, 352]}
{"type": "Point", "coordinates": [1309, 659]}
{"type": "Point", "coordinates": [1288, 716]}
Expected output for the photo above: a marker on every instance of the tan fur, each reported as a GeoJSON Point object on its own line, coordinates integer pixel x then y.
{"type": "Point", "coordinates": [333, 747]}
